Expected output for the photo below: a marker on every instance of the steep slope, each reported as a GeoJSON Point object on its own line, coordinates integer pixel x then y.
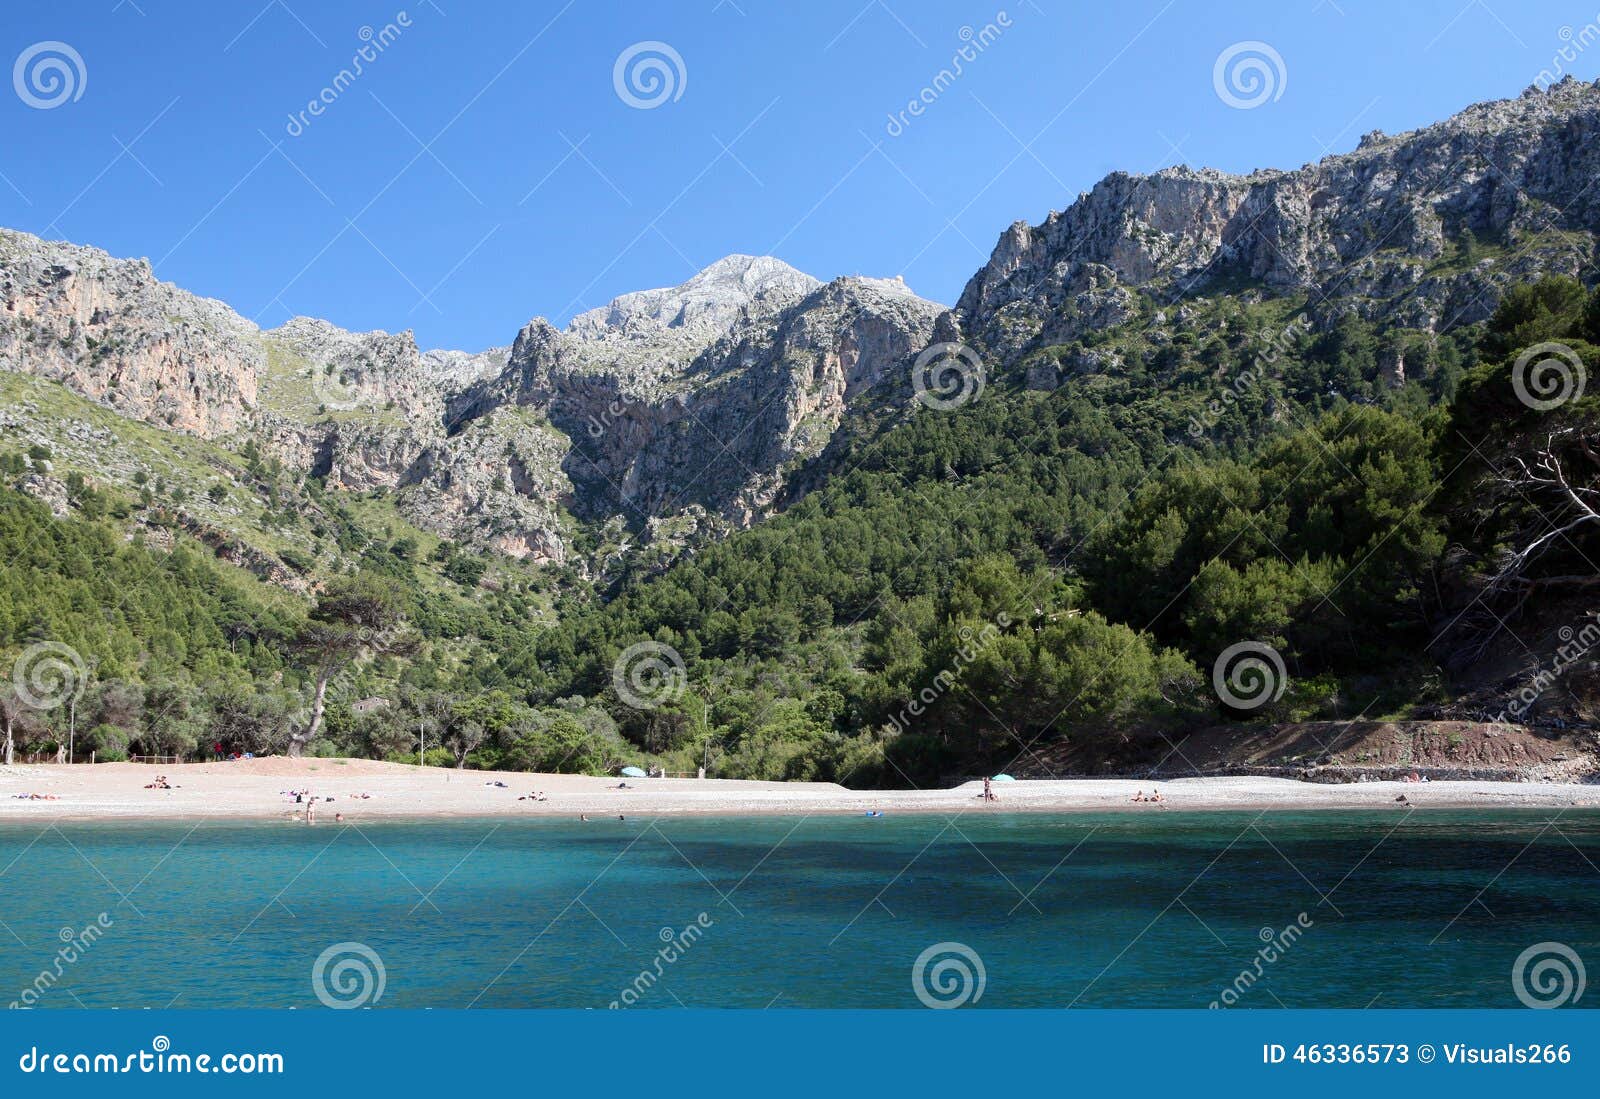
{"type": "Point", "coordinates": [693, 407]}
{"type": "Point", "coordinates": [749, 361]}
{"type": "Point", "coordinates": [107, 329]}
{"type": "Point", "coordinates": [1423, 228]}
{"type": "Point", "coordinates": [707, 413]}
{"type": "Point", "coordinates": [1056, 568]}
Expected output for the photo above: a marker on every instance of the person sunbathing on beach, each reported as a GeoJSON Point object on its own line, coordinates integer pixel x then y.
{"type": "Point", "coordinates": [1137, 797]}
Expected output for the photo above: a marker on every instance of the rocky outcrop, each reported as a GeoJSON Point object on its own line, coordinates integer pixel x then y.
{"type": "Point", "coordinates": [701, 309]}
{"type": "Point", "coordinates": [379, 375]}
{"type": "Point", "coordinates": [109, 330]}
{"type": "Point", "coordinates": [499, 483]}
{"type": "Point", "coordinates": [1392, 229]}
{"type": "Point", "coordinates": [706, 395]}
{"type": "Point", "coordinates": [697, 406]}
{"type": "Point", "coordinates": [358, 409]}
{"type": "Point", "coordinates": [453, 371]}
{"type": "Point", "coordinates": [686, 402]}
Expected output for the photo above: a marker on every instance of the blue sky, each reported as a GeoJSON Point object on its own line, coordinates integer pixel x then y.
{"type": "Point", "coordinates": [484, 168]}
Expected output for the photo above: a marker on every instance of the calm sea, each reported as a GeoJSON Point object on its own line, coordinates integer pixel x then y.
{"type": "Point", "coordinates": [1402, 909]}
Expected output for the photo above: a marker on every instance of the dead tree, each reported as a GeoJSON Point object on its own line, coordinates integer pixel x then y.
{"type": "Point", "coordinates": [1566, 504]}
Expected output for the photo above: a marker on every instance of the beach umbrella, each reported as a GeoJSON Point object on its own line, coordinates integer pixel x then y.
{"type": "Point", "coordinates": [1002, 778]}
{"type": "Point", "coordinates": [632, 772]}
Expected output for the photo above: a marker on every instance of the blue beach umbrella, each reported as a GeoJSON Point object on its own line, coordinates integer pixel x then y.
{"type": "Point", "coordinates": [1002, 778]}
{"type": "Point", "coordinates": [632, 772]}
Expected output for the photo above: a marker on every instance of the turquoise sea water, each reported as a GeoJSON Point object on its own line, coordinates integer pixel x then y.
{"type": "Point", "coordinates": [1422, 909]}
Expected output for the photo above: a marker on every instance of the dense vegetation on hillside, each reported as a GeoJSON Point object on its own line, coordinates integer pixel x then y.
{"type": "Point", "coordinates": [960, 590]}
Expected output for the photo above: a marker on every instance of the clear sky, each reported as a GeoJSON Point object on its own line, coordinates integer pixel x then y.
{"type": "Point", "coordinates": [484, 167]}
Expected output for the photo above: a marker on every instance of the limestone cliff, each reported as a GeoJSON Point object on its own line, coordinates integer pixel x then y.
{"type": "Point", "coordinates": [1424, 228]}
{"type": "Point", "coordinates": [697, 406]}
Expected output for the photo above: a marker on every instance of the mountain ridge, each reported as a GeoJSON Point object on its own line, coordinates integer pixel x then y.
{"type": "Point", "coordinates": [1200, 418]}
{"type": "Point", "coordinates": [759, 365]}
{"type": "Point", "coordinates": [1493, 169]}
{"type": "Point", "coordinates": [372, 411]}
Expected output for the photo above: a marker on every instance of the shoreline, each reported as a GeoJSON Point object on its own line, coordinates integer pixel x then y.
{"type": "Point", "coordinates": [261, 790]}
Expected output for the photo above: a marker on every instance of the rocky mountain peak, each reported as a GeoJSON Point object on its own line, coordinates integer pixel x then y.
{"type": "Point", "coordinates": [861, 284]}
{"type": "Point", "coordinates": [323, 341]}
{"type": "Point", "coordinates": [1375, 229]}
{"type": "Point", "coordinates": [110, 330]}
{"type": "Point", "coordinates": [712, 301]}
{"type": "Point", "coordinates": [456, 370]}
{"type": "Point", "coordinates": [702, 405]}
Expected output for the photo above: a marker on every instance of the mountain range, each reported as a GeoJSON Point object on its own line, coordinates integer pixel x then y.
{"type": "Point", "coordinates": [670, 420]}
{"type": "Point", "coordinates": [686, 411]}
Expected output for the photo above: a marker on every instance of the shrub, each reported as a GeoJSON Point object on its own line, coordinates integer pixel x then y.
{"type": "Point", "coordinates": [109, 743]}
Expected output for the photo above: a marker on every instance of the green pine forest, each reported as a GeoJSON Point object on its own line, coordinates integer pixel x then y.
{"type": "Point", "coordinates": [1038, 575]}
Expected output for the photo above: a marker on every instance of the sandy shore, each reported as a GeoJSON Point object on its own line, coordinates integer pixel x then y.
{"type": "Point", "coordinates": [256, 790]}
